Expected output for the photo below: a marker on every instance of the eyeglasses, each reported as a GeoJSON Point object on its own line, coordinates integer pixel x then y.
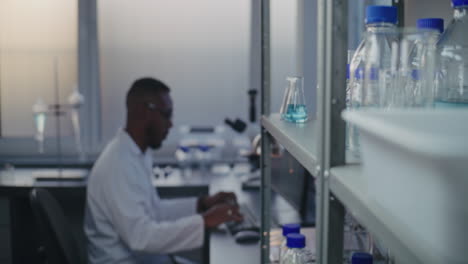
{"type": "Point", "coordinates": [167, 114]}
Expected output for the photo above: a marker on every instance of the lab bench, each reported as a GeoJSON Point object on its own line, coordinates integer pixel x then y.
{"type": "Point", "coordinates": [18, 237]}
{"type": "Point", "coordinates": [18, 243]}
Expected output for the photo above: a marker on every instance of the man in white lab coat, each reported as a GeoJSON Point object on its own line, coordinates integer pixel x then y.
{"type": "Point", "coordinates": [125, 220]}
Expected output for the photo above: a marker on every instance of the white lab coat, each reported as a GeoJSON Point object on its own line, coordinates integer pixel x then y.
{"type": "Point", "coordinates": [125, 220]}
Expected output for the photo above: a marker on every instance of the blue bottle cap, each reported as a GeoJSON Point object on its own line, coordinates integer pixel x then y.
{"type": "Point", "coordinates": [291, 229]}
{"type": "Point", "coordinates": [381, 14]}
{"type": "Point", "coordinates": [361, 258]}
{"type": "Point", "coordinates": [431, 23]}
{"type": "Point", "coordinates": [459, 3]}
{"type": "Point", "coordinates": [184, 148]}
{"type": "Point", "coordinates": [295, 241]}
{"type": "Point", "coordinates": [204, 148]}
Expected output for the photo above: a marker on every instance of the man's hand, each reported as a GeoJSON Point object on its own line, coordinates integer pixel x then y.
{"type": "Point", "coordinates": [207, 202]}
{"type": "Point", "coordinates": [219, 214]}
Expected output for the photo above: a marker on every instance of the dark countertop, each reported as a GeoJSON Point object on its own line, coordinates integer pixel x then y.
{"type": "Point", "coordinates": [171, 182]}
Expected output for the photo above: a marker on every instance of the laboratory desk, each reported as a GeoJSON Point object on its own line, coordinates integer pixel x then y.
{"type": "Point", "coordinates": [222, 246]}
{"type": "Point", "coordinates": [15, 212]}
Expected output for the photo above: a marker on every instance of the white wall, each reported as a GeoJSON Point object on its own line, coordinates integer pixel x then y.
{"type": "Point", "coordinates": [33, 34]}
{"type": "Point", "coordinates": [284, 48]}
{"type": "Point", "coordinates": [199, 48]}
{"type": "Point", "coordinates": [293, 48]}
{"type": "Point", "coordinates": [309, 54]}
{"type": "Point", "coordinates": [415, 9]}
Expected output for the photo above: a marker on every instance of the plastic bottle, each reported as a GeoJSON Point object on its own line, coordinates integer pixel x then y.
{"type": "Point", "coordinates": [361, 258]}
{"type": "Point", "coordinates": [183, 157]}
{"type": "Point", "coordinates": [452, 48]}
{"type": "Point", "coordinates": [355, 90]}
{"type": "Point", "coordinates": [204, 157]}
{"type": "Point", "coordinates": [288, 229]}
{"type": "Point", "coordinates": [296, 253]}
{"type": "Point", "coordinates": [417, 96]}
{"type": "Point", "coordinates": [355, 238]}
{"type": "Point", "coordinates": [348, 95]}
{"type": "Point", "coordinates": [378, 19]}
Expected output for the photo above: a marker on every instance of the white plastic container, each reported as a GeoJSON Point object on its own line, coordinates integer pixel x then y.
{"type": "Point", "coordinates": [416, 166]}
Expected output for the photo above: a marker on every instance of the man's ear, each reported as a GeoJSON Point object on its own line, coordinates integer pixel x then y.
{"type": "Point", "coordinates": [145, 112]}
{"type": "Point", "coordinates": [139, 112]}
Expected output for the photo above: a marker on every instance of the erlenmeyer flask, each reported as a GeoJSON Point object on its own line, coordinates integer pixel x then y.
{"type": "Point", "coordinates": [293, 108]}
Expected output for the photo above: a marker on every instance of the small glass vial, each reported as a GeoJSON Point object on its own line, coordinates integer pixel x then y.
{"type": "Point", "coordinates": [288, 229]}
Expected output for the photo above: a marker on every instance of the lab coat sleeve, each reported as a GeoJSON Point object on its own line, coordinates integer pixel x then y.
{"type": "Point", "coordinates": [178, 208]}
{"type": "Point", "coordinates": [129, 215]}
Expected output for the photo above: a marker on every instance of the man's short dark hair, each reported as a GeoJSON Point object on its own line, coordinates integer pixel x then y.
{"type": "Point", "coordinates": [145, 87]}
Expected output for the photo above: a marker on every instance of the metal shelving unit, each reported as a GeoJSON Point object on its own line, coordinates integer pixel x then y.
{"type": "Point", "coordinates": [319, 146]}
{"type": "Point", "coordinates": [349, 186]}
{"type": "Point", "coordinates": [308, 142]}
{"type": "Point", "coordinates": [299, 140]}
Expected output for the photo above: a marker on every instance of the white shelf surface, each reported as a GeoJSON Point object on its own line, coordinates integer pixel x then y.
{"type": "Point", "coordinates": [347, 183]}
{"type": "Point", "coordinates": [301, 140]}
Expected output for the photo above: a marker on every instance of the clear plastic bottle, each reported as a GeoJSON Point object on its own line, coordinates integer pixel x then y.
{"type": "Point", "coordinates": [452, 48]}
{"type": "Point", "coordinates": [379, 19]}
{"type": "Point", "coordinates": [184, 159]}
{"type": "Point", "coordinates": [348, 89]}
{"type": "Point", "coordinates": [375, 54]}
{"type": "Point", "coordinates": [348, 95]}
{"type": "Point", "coordinates": [288, 229]}
{"type": "Point", "coordinates": [355, 238]}
{"type": "Point", "coordinates": [204, 157]}
{"type": "Point", "coordinates": [296, 253]}
{"type": "Point", "coordinates": [361, 258]}
{"type": "Point", "coordinates": [417, 95]}
{"type": "Point", "coordinates": [355, 103]}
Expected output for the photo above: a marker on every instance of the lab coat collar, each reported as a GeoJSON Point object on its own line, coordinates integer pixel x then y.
{"type": "Point", "coordinates": [130, 143]}
{"type": "Point", "coordinates": [147, 156]}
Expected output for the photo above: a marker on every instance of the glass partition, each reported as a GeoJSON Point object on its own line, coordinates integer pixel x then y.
{"type": "Point", "coordinates": [38, 63]}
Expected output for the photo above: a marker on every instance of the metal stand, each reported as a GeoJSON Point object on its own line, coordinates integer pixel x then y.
{"type": "Point", "coordinates": [265, 162]}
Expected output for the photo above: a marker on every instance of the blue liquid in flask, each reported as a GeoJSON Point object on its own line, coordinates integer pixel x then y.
{"type": "Point", "coordinates": [296, 113]}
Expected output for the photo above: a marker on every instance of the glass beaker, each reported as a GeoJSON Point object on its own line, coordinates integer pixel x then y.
{"type": "Point", "coordinates": [293, 108]}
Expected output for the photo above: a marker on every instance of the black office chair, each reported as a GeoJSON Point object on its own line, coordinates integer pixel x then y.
{"type": "Point", "coordinates": [56, 235]}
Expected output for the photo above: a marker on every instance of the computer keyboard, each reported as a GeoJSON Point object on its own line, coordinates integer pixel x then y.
{"type": "Point", "coordinates": [249, 222]}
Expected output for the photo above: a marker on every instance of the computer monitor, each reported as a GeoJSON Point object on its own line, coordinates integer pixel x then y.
{"type": "Point", "coordinates": [296, 185]}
